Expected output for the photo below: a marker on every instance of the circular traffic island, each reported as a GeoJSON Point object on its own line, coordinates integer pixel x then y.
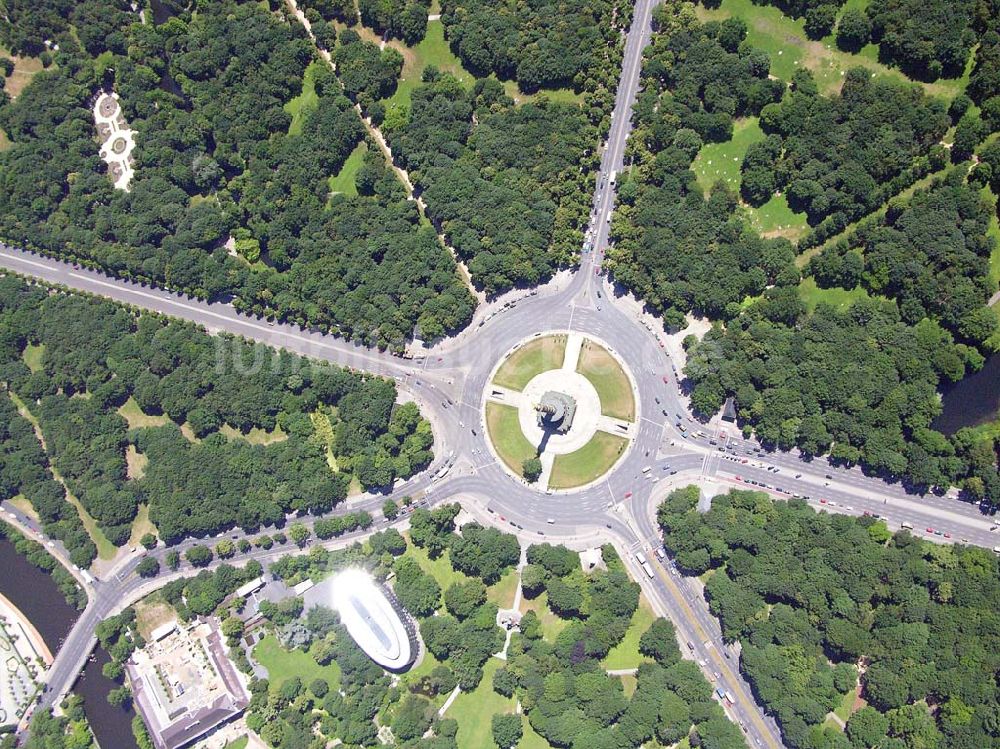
{"type": "Point", "coordinates": [560, 410]}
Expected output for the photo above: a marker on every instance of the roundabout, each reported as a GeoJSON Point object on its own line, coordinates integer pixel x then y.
{"type": "Point", "coordinates": [562, 406]}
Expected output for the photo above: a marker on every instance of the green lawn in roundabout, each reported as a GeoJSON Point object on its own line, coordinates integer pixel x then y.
{"type": "Point", "coordinates": [504, 429]}
{"type": "Point", "coordinates": [534, 357]}
{"type": "Point", "coordinates": [588, 463]}
{"type": "Point", "coordinates": [605, 373]}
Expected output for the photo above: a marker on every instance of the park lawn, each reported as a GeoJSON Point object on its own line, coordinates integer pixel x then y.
{"type": "Point", "coordinates": [846, 706]}
{"type": "Point", "coordinates": [440, 569]}
{"type": "Point", "coordinates": [23, 504]}
{"type": "Point", "coordinates": [784, 39]}
{"type": "Point", "coordinates": [141, 526]}
{"type": "Point", "coordinates": [587, 463]}
{"type": "Point", "coordinates": [137, 419]}
{"type": "Point", "coordinates": [135, 463]}
{"type": "Point", "coordinates": [530, 739]}
{"type": "Point", "coordinates": [305, 102]}
{"type": "Point", "coordinates": [609, 380]}
{"type": "Point", "coordinates": [282, 665]}
{"type": "Point", "coordinates": [626, 653]}
{"type": "Point", "coordinates": [551, 624]}
{"type": "Point", "coordinates": [722, 161]}
{"type": "Point", "coordinates": [839, 298]}
{"type": "Point", "coordinates": [474, 710]}
{"type": "Point", "coordinates": [502, 592]}
{"type": "Point", "coordinates": [105, 549]}
{"type": "Point", "coordinates": [433, 49]}
{"type": "Point", "coordinates": [536, 356]}
{"type": "Point", "coordinates": [776, 219]}
{"type": "Point", "coordinates": [25, 68]}
{"type": "Point", "coordinates": [256, 436]}
{"type": "Point", "coordinates": [508, 440]}
{"type": "Point", "coordinates": [240, 743]}
{"type": "Point", "coordinates": [32, 356]}
{"type": "Point", "coordinates": [343, 183]}
{"type": "Point", "coordinates": [555, 95]}
{"type": "Point", "coordinates": [629, 684]}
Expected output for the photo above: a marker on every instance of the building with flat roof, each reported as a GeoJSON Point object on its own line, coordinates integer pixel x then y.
{"type": "Point", "coordinates": [184, 684]}
{"type": "Point", "coordinates": [378, 624]}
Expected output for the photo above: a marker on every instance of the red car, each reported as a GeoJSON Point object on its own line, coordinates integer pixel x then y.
{"type": "Point", "coordinates": [930, 530]}
{"type": "Point", "coordinates": [822, 501]}
{"type": "Point", "coordinates": [628, 494]}
{"type": "Point", "coordinates": [947, 535]}
{"type": "Point", "coordinates": [666, 379]}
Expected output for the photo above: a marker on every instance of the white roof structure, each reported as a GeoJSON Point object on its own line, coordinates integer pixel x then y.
{"type": "Point", "coordinates": [371, 619]}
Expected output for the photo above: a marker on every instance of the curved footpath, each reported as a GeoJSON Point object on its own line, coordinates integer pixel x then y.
{"type": "Point", "coordinates": [449, 384]}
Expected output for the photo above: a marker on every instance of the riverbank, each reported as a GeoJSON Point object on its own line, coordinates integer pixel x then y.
{"type": "Point", "coordinates": [26, 659]}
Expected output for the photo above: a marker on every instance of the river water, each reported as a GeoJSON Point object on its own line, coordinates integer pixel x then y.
{"type": "Point", "coordinates": [972, 401]}
{"type": "Point", "coordinates": [38, 598]}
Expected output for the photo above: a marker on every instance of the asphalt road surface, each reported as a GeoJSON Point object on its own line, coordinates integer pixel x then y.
{"type": "Point", "coordinates": [449, 389]}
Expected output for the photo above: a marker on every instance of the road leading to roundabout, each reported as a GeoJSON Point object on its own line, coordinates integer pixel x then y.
{"type": "Point", "coordinates": [565, 398]}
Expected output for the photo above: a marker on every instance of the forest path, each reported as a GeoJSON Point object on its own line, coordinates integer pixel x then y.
{"type": "Point", "coordinates": [401, 174]}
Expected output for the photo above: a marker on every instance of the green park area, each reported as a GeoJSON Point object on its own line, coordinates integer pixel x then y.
{"type": "Point", "coordinates": [586, 464]}
{"type": "Point", "coordinates": [533, 358]}
{"type": "Point", "coordinates": [717, 162]}
{"type": "Point", "coordinates": [836, 297]}
{"type": "Point", "coordinates": [343, 183]}
{"type": "Point", "coordinates": [305, 102]}
{"type": "Point", "coordinates": [504, 429]}
{"type": "Point", "coordinates": [474, 710]}
{"type": "Point", "coordinates": [283, 664]}
{"type": "Point", "coordinates": [609, 380]}
{"type": "Point", "coordinates": [433, 50]}
{"type": "Point", "coordinates": [784, 39]}
{"type": "Point", "coordinates": [626, 653]}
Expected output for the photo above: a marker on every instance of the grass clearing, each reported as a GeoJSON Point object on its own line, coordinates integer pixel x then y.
{"type": "Point", "coordinates": [530, 739]}
{"type": "Point", "coordinates": [613, 386]}
{"type": "Point", "coordinates": [586, 464]}
{"type": "Point", "coordinates": [32, 356]}
{"type": "Point", "coordinates": [839, 298]}
{"type": "Point", "coordinates": [534, 357]}
{"type": "Point", "coordinates": [137, 418]}
{"type": "Point", "coordinates": [846, 706]}
{"type": "Point", "coordinates": [555, 95]}
{"type": "Point", "coordinates": [629, 684]}
{"type": "Point", "coordinates": [784, 39]}
{"type": "Point", "coordinates": [283, 664]}
{"type": "Point", "coordinates": [141, 526]}
{"type": "Point", "coordinates": [23, 505]}
{"type": "Point", "coordinates": [307, 101]}
{"type": "Point", "coordinates": [776, 219]}
{"type": "Point", "coordinates": [240, 743]}
{"type": "Point", "coordinates": [25, 68]}
{"type": "Point", "coordinates": [474, 710]}
{"type": "Point", "coordinates": [255, 436]}
{"type": "Point", "coordinates": [440, 569]}
{"type": "Point", "coordinates": [135, 463]}
{"type": "Point", "coordinates": [503, 591]}
{"type": "Point", "coordinates": [342, 183]}
{"type": "Point", "coordinates": [551, 624]}
{"type": "Point", "coordinates": [504, 429]}
{"type": "Point", "coordinates": [717, 162]}
{"type": "Point", "coordinates": [433, 49]}
{"type": "Point", "coordinates": [626, 653]}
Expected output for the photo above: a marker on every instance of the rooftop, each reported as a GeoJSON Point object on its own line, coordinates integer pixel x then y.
{"type": "Point", "coordinates": [376, 625]}
{"type": "Point", "coordinates": [184, 685]}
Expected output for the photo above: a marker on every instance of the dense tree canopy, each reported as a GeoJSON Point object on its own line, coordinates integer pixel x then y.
{"type": "Point", "coordinates": [810, 596]}
{"type": "Point", "coordinates": [503, 183]}
{"type": "Point", "coordinates": [541, 45]}
{"type": "Point", "coordinates": [677, 250]}
{"type": "Point", "coordinates": [931, 256]}
{"type": "Point", "coordinates": [836, 158]}
{"type": "Point", "coordinates": [218, 157]}
{"type": "Point", "coordinates": [205, 481]}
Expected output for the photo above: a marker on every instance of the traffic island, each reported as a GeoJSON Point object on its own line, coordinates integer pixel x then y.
{"type": "Point", "coordinates": [566, 399]}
